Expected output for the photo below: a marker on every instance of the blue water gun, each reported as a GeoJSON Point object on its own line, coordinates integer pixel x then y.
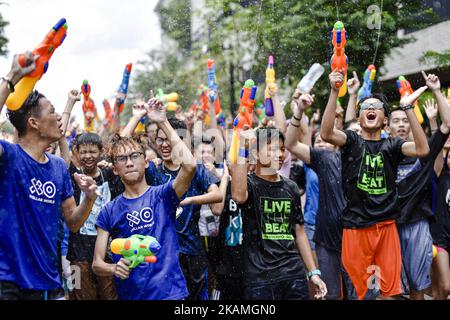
{"type": "Point", "coordinates": [369, 77]}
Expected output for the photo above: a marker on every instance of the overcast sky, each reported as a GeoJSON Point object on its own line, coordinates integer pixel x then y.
{"type": "Point", "coordinates": [103, 36]}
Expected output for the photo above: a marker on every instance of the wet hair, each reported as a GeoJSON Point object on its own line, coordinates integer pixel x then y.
{"type": "Point", "coordinates": [30, 108]}
{"type": "Point", "coordinates": [175, 123]}
{"type": "Point", "coordinates": [378, 96]}
{"type": "Point", "coordinates": [89, 138]}
{"type": "Point", "coordinates": [394, 109]}
{"type": "Point", "coordinates": [178, 125]}
{"type": "Point", "coordinates": [265, 135]}
{"type": "Point", "coordinates": [349, 123]}
{"type": "Point", "coordinates": [117, 143]}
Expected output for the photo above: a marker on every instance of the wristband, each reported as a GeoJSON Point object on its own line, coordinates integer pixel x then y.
{"type": "Point", "coordinates": [313, 273]}
{"type": "Point", "coordinates": [293, 116]}
{"type": "Point", "coordinates": [292, 124]}
{"type": "Point", "coordinates": [404, 108]}
{"type": "Point", "coordinates": [243, 153]}
{"type": "Point", "coordinates": [10, 84]}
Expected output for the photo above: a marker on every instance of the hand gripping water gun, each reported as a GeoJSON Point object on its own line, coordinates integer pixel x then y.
{"type": "Point", "coordinates": [124, 85]}
{"type": "Point", "coordinates": [404, 87]}
{"type": "Point", "coordinates": [169, 100]}
{"type": "Point", "coordinates": [369, 77]}
{"type": "Point", "coordinates": [212, 85]}
{"type": "Point", "coordinates": [45, 50]}
{"type": "Point", "coordinates": [270, 81]}
{"type": "Point", "coordinates": [339, 60]}
{"type": "Point", "coordinates": [137, 249]}
{"type": "Point", "coordinates": [89, 110]}
{"type": "Point", "coordinates": [245, 116]}
{"type": "Point", "coordinates": [108, 113]}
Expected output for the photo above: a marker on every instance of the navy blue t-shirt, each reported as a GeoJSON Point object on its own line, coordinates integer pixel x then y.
{"type": "Point", "coordinates": [327, 165]}
{"type": "Point", "coordinates": [187, 216]}
{"type": "Point", "coordinates": [151, 214]}
{"type": "Point", "coordinates": [31, 194]}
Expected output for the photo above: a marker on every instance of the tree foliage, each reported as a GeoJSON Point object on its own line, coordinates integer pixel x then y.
{"type": "Point", "coordinates": [242, 34]}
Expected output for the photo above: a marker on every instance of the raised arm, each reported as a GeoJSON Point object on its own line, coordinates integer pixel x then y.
{"type": "Point", "coordinates": [239, 192]}
{"type": "Point", "coordinates": [139, 110]}
{"type": "Point", "coordinates": [431, 112]}
{"type": "Point", "coordinates": [433, 83]}
{"type": "Point", "coordinates": [16, 73]}
{"type": "Point", "coordinates": [327, 130]}
{"type": "Point", "coordinates": [279, 116]}
{"type": "Point", "coordinates": [76, 216]}
{"type": "Point", "coordinates": [299, 104]}
{"type": "Point", "coordinates": [180, 152]}
{"type": "Point", "coordinates": [419, 148]}
{"type": "Point", "coordinates": [72, 98]}
{"type": "Point", "coordinates": [353, 86]}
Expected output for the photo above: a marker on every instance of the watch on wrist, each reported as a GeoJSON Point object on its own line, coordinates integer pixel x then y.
{"type": "Point", "coordinates": [409, 106]}
{"type": "Point", "coordinates": [313, 273]}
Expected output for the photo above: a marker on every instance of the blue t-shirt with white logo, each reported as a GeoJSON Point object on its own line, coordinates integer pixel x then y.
{"type": "Point", "coordinates": [151, 214]}
{"type": "Point", "coordinates": [187, 216]}
{"type": "Point", "coordinates": [31, 194]}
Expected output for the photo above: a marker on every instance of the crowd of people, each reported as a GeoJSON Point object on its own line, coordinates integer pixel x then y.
{"type": "Point", "coordinates": [347, 205]}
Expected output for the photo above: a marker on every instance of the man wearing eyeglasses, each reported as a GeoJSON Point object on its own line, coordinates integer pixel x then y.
{"type": "Point", "coordinates": [203, 190]}
{"type": "Point", "coordinates": [145, 210]}
{"type": "Point", "coordinates": [370, 244]}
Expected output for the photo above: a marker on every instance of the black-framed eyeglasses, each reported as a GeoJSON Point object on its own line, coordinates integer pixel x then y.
{"type": "Point", "coordinates": [160, 141]}
{"type": "Point", "coordinates": [376, 105]}
{"type": "Point", "coordinates": [134, 156]}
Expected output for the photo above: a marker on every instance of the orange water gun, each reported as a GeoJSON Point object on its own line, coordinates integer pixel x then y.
{"type": "Point", "coordinates": [89, 110]}
{"type": "Point", "coordinates": [54, 38]}
{"type": "Point", "coordinates": [339, 60]}
{"type": "Point", "coordinates": [405, 89]}
{"type": "Point", "coordinates": [108, 113]}
{"type": "Point", "coordinates": [244, 117]}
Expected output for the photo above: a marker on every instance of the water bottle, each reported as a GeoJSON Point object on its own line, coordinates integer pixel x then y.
{"type": "Point", "coordinates": [310, 79]}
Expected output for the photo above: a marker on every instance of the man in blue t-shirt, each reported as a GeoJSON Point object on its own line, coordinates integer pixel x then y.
{"type": "Point", "coordinates": [145, 210]}
{"type": "Point", "coordinates": [35, 190]}
{"type": "Point", "coordinates": [203, 190]}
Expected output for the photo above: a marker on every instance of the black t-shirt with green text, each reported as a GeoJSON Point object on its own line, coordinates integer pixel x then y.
{"type": "Point", "coordinates": [369, 171]}
{"type": "Point", "coordinates": [270, 214]}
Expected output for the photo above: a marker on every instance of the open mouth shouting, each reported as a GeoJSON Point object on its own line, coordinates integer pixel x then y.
{"type": "Point", "coordinates": [371, 116]}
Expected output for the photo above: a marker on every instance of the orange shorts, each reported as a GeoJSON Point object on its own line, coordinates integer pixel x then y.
{"type": "Point", "coordinates": [372, 258]}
